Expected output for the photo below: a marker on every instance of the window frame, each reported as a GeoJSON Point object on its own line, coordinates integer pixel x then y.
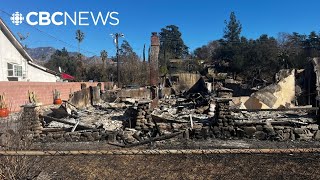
{"type": "Point", "coordinates": [16, 70]}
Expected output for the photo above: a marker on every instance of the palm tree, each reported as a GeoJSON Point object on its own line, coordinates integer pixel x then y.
{"type": "Point", "coordinates": [80, 68]}
{"type": "Point", "coordinates": [79, 37]}
{"type": "Point", "coordinates": [104, 56]}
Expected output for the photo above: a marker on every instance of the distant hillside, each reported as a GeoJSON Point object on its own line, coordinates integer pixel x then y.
{"type": "Point", "coordinates": [42, 54]}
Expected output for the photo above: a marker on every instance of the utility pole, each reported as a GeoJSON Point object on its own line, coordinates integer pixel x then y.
{"type": "Point", "coordinates": [118, 63]}
{"type": "Point", "coordinates": [116, 41]}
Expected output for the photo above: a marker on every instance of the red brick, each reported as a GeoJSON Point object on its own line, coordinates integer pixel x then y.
{"type": "Point", "coordinates": [17, 92]}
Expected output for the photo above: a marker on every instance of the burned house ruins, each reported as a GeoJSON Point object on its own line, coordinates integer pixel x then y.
{"type": "Point", "coordinates": [188, 108]}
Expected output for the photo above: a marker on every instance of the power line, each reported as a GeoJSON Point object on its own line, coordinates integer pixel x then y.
{"type": "Point", "coordinates": [169, 39]}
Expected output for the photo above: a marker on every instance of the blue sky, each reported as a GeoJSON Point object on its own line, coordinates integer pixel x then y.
{"type": "Point", "coordinates": [199, 20]}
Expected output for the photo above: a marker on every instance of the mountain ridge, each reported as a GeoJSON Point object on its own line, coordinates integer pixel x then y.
{"type": "Point", "coordinates": [42, 55]}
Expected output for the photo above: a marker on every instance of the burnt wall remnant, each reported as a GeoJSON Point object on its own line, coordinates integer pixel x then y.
{"type": "Point", "coordinates": [154, 55]}
{"type": "Point", "coordinates": [280, 124]}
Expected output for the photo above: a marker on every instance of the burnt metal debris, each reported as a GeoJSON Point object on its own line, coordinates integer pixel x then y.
{"type": "Point", "coordinates": [196, 114]}
{"type": "Point", "coordinates": [201, 110]}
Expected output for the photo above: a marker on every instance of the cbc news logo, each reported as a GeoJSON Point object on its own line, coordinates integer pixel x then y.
{"type": "Point", "coordinates": [17, 18]}
{"type": "Point", "coordinates": [81, 18]}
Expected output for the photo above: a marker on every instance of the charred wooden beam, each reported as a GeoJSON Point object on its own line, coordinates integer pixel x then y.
{"type": "Point", "coordinates": [80, 126]}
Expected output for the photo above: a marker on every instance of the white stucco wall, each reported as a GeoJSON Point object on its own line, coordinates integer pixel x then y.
{"type": "Point", "coordinates": [9, 54]}
{"type": "Point", "coordinates": [36, 75]}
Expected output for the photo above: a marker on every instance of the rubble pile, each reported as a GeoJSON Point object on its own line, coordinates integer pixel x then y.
{"type": "Point", "coordinates": [95, 123]}
{"type": "Point", "coordinates": [263, 125]}
{"type": "Point", "coordinates": [137, 122]}
{"type": "Point", "coordinates": [194, 116]}
{"type": "Point", "coordinates": [290, 125]}
{"type": "Point", "coordinates": [94, 118]}
{"type": "Point", "coordinates": [130, 121]}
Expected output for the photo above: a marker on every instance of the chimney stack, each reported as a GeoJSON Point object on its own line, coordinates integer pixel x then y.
{"type": "Point", "coordinates": [154, 55]}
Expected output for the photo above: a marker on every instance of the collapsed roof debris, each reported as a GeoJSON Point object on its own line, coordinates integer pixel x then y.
{"type": "Point", "coordinates": [185, 105]}
{"type": "Point", "coordinates": [194, 113]}
{"type": "Point", "coordinates": [278, 95]}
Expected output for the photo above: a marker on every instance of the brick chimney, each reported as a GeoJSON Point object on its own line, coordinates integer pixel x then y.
{"type": "Point", "coordinates": [154, 55]}
{"type": "Point", "coordinates": [155, 39]}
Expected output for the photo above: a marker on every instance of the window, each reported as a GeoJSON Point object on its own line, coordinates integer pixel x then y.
{"type": "Point", "coordinates": [14, 70]}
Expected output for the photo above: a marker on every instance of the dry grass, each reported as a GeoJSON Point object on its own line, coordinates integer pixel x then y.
{"type": "Point", "coordinates": [227, 166]}
{"type": "Point", "coordinates": [16, 138]}
{"type": "Point", "coordinates": [300, 166]}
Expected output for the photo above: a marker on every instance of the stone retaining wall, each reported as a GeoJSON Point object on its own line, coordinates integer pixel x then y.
{"type": "Point", "coordinates": [224, 123]}
{"type": "Point", "coordinates": [76, 136]}
{"type": "Point", "coordinates": [263, 125]}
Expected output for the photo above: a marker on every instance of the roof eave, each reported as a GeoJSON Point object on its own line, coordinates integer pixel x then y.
{"type": "Point", "coordinates": [7, 32]}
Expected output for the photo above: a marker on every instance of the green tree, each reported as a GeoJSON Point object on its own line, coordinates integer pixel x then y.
{"type": "Point", "coordinates": [96, 73]}
{"type": "Point", "coordinates": [295, 49]}
{"type": "Point", "coordinates": [126, 50]}
{"type": "Point", "coordinates": [206, 52]}
{"type": "Point", "coordinates": [230, 54]}
{"type": "Point", "coordinates": [291, 50]}
{"type": "Point", "coordinates": [263, 61]}
{"type": "Point", "coordinates": [172, 45]}
{"type": "Point", "coordinates": [312, 45]}
{"type": "Point", "coordinates": [254, 60]}
{"type": "Point", "coordinates": [233, 29]}
{"type": "Point", "coordinates": [144, 53]}
{"type": "Point", "coordinates": [62, 59]}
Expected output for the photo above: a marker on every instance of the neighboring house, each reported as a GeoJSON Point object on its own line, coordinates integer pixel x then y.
{"type": "Point", "coordinates": [16, 64]}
